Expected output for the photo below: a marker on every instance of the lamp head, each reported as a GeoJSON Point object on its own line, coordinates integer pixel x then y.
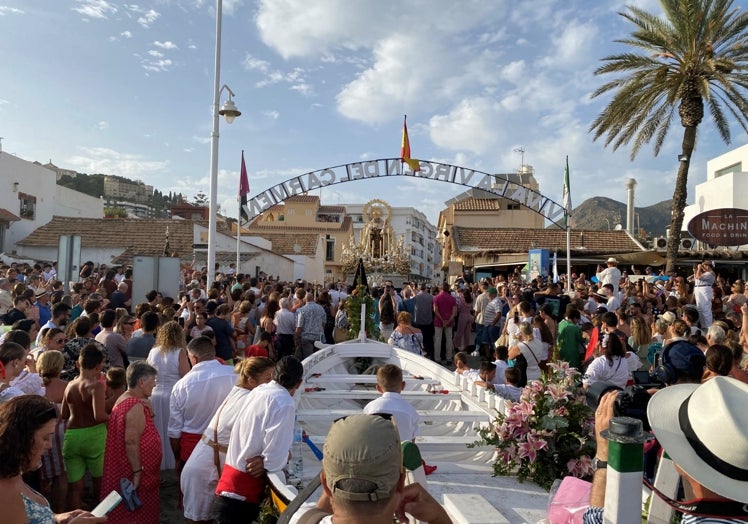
{"type": "Point", "coordinates": [229, 111]}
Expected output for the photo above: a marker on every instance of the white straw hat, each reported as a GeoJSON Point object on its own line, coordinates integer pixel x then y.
{"type": "Point", "coordinates": [704, 429]}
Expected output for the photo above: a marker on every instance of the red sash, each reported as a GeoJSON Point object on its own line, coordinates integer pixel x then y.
{"type": "Point", "coordinates": [241, 483]}
{"type": "Point", "coordinates": [187, 443]}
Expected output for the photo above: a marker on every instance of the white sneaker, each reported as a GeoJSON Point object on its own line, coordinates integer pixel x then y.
{"type": "Point", "coordinates": [475, 353]}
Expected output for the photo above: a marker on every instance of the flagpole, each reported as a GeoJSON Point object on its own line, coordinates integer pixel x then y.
{"type": "Point", "coordinates": [238, 233]}
{"type": "Point", "coordinates": [567, 223]}
{"type": "Point", "coordinates": [239, 215]}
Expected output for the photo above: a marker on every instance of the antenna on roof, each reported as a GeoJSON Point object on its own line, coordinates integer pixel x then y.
{"type": "Point", "coordinates": [521, 151]}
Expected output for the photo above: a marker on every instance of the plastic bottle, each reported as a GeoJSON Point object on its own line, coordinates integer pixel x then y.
{"type": "Point", "coordinates": [296, 466]}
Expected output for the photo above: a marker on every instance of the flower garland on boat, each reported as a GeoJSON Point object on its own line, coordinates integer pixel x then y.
{"type": "Point", "coordinates": [548, 434]}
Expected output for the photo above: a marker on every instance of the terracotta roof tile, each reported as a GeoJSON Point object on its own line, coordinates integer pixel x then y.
{"type": "Point", "coordinates": [292, 243]}
{"type": "Point", "coordinates": [478, 204]}
{"type": "Point", "coordinates": [331, 209]}
{"type": "Point", "coordinates": [141, 236]}
{"type": "Point", "coordinates": [302, 198]}
{"type": "Point", "coordinates": [521, 240]}
{"type": "Point", "coordinates": [7, 216]}
{"type": "Point", "coordinates": [260, 228]}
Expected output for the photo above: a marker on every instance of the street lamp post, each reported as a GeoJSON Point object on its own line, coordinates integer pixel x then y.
{"type": "Point", "coordinates": [230, 112]}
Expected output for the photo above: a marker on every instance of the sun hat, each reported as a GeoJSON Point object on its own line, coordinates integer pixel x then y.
{"type": "Point", "coordinates": [612, 260]}
{"type": "Point", "coordinates": [668, 317]}
{"type": "Point", "coordinates": [40, 292]}
{"type": "Point", "coordinates": [704, 429]}
{"type": "Point", "coordinates": [362, 458]}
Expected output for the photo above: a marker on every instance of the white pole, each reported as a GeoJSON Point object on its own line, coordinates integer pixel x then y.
{"type": "Point", "coordinates": [238, 234]}
{"type": "Point", "coordinates": [213, 206]}
{"type": "Point", "coordinates": [568, 255]}
{"type": "Point", "coordinates": [362, 329]}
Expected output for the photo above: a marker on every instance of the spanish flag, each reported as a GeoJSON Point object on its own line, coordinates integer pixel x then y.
{"type": "Point", "coordinates": [405, 149]}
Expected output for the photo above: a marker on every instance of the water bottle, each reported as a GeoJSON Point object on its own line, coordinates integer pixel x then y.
{"type": "Point", "coordinates": [296, 466]}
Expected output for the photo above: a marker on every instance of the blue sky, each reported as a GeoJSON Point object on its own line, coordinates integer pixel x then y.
{"type": "Point", "coordinates": [102, 86]}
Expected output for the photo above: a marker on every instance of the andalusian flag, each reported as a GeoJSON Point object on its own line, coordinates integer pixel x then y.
{"type": "Point", "coordinates": [243, 191]}
{"type": "Point", "coordinates": [567, 194]}
{"type": "Point", "coordinates": [405, 149]}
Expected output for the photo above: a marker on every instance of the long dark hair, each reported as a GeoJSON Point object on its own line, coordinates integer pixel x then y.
{"type": "Point", "coordinates": [20, 418]}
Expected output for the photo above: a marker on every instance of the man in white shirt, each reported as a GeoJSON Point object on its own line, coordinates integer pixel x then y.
{"type": "Point", "coordinates": [264, 429]}
{"type": "Point", "coordinates": [703, 280]}
{"type": "Point", "coordinates": [610, 275]}
{"type": "Point", "coordinates": [196, 397]}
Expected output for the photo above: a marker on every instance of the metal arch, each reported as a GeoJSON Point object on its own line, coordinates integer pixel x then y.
{"type": "Point", "coordinates": [497, 184]}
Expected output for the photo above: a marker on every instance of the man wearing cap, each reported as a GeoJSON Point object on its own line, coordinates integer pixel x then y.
{"type": "Point", "coordinates": [703, 280]}
{"type": "Point", "coordinates": [713, 465]}
{"type": "Point", "coordinates": [362, 478]}
{"type": "Point", "coordinates": [610, 275]}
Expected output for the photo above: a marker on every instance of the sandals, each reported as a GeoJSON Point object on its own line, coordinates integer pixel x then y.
{"type": "Point", "coordinates": [129, 495]}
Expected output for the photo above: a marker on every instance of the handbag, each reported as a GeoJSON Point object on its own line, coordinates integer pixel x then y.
{"type": "Point", "coordinates": [520, 362]}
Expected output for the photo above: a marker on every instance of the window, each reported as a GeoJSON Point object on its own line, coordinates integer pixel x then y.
{"type": "Point", "coordinates": [28, 206]}
{"type": "Point", "coordinates": [735, 168]}
{"type": "Point", "coordinates": [329, 248]}
{"type": "Point", "coordinates": [513, 207]}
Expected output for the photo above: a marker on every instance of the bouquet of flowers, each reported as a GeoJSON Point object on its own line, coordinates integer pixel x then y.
{"type": "Point", "coordinates": [548, 434]}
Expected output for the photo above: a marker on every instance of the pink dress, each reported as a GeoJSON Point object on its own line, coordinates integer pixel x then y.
{"type": "Point", "coordinates": [117, 466]}
{"type": "Point", "coordinates": [464, 323]}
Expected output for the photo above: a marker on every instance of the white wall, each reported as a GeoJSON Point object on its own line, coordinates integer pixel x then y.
{"type": "Point", "coordinates": [727, 191]}
{"type": "Point", "coordinates": [33, 180]}
{"type": "Point", "coordinates": [51, 199]}
{"type": "Point", "coordinates": [71, 203]}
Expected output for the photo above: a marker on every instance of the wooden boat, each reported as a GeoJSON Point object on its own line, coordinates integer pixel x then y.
{"type": "Point", "coordinates": [340, 379]}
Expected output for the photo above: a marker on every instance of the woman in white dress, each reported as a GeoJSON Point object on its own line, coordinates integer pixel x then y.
{"type": "Point", "coordinates": [201, 471]}
{"type": "Point", "coordinates": [169, 357]}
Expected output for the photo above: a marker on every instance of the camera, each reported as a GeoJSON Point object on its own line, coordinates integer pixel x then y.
{"type": "Point", "coordinates": [631, 401]}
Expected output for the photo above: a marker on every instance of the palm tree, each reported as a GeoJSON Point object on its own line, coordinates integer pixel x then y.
{"type": "Point", "coordinates": [696, 53]}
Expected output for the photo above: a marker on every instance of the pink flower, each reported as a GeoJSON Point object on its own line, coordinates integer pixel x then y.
{"type": "Point", "coordinates": [530, 448]}
{"type": "Point", "coordinates": [581, 467]}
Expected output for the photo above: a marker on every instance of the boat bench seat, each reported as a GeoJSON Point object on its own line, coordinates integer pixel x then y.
{"type": "Point", "coordinates": [426, 443]}
{"type": "Point", "coordinates": [364, 394]}
{"type": "Point", "coordinates": [365, 379]}
{"type": "Point", "coordinates": [466, 508]}
{"type": "Point", "coordinates": [440, 416]}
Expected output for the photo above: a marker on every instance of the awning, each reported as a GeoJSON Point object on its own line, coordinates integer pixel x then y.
{"type": "Point", "coordinates": [7, 216]}
{"type": "Point", "coordinates": [641, 258]}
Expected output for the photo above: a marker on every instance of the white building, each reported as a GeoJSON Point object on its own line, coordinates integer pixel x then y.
{"type": "Point", "coordinates": [420, 238]}
{"type": "Point", "coordinates": [30, 197]}
{"type": "Point", "coordinates": [726, 186]}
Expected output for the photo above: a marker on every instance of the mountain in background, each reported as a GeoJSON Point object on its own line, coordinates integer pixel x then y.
{"type": "Point", "coordinates": [603, 213]}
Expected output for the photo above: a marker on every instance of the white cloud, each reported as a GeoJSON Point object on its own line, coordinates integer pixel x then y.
{"type": "Point", "coordinates": [95, 8]}
{"type": "Point", "coordinates": [126, 34]}
{"type": "Point", "coordinates": [6, 10]}
{"type": "Point", "coordinates": [157, 54]}
{"type": "Point", "coordinates": [405, 70]}
{"type": "Point", "coordinates": [252, 63]}
{"type": "Point", "coordinates": [273, 114]}
{"type": "Point", "coordinates": [165, 45]}
{"type": "Point", "coordinates": [157, 66]}
{"type": "Point", "coordinates": [93, 160]}
{"type": "Point", "coordinates": [102, 125]}
{"type": "Point", "coordinates": [470, 126]}
{"type": "Point", "coordinates": [148, 18]}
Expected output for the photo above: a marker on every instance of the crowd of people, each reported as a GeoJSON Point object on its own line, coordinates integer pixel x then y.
{"type": "Point", "coordinates": [142, 385]}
